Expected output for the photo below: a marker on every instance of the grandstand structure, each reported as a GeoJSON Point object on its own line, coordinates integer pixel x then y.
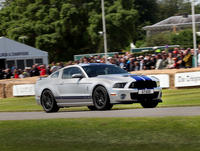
{"type": "Point", "coordinates": [173, 24]}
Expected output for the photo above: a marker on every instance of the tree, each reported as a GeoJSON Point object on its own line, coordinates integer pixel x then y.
{"type": "Point", "coordinates": [68, 27]}
{"type": "Point", "coordinates": [168, 8]}
{"type": "Point", "coordinates": [161, 39]}
{"type": "Point", "coordinates": [184, 38]}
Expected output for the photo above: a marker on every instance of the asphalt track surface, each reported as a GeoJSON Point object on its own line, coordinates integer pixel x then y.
{"type": "Point", "coordinates": [155, 112]}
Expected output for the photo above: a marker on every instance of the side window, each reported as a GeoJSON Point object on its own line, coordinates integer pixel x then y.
{"type": "Point", "coordinates": [67, 73]}
{"type": "Point", "coordinates": [55, 75]}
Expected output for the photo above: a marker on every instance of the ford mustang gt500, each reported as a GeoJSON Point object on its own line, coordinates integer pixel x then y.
{"type": "Point", "coordinates": [96, 85]}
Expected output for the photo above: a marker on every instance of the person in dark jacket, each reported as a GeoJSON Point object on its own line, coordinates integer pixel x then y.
{"type": "Point", "coordinates": [8, 74]}
{"type": "Point", "coordinates": [34, 71]}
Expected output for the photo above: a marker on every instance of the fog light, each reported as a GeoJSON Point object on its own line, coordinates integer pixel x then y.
{"type": "Point", "coordinates": [122, 96]}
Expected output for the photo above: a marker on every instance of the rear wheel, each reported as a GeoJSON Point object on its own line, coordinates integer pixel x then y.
{"type": "Point", "coordinates": [149, 103]}
{"type": "Point", "coordinates": [101, 99]}
{"type": "Point", "coordinates": [48, 102]}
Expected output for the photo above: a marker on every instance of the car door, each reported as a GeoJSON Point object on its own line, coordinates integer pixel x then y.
{"type": "Point", "coordinates": [75, 89]}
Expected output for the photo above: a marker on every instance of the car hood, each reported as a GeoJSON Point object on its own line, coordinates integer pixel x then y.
{"type": "Point", "coordinates": [127, 77]}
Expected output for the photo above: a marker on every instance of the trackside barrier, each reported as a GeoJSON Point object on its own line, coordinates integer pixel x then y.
{"type": "Point", "coordinates": [187, 79]}
{"type": "Point", "coordinates": [164, 80]}
{"type": "Point", "coordinates": [7, 86]}
{"type": "Point", "coordinates": [24, 90]}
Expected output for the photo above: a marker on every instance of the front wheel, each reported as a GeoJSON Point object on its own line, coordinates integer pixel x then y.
{"type": "Point", "coordinates": [48, 102]}
{"type": "Point", "coordinates": [149, 103]}
{"type": "Point", "coordinates": [101, 99]}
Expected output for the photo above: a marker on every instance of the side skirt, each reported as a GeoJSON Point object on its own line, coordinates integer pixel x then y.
{"type": "Point", "coordinates": [67, 101]}
{"type": "Point", "coordinates": [74, 104]}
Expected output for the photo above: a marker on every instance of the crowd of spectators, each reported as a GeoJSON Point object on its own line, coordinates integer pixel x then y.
{"type": "Point", "coordinates": [175, 59]}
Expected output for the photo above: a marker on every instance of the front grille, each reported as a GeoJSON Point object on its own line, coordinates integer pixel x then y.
{"type": "Point", "coordinates": [143, 84]}
{"type": "Point", "coordinates": [144, 96]}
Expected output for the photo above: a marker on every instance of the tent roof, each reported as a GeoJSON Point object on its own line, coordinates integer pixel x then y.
{"type": "Point", "coordinates": [175, 21]}
{"type": "Point", "coordinates": [11, 46]}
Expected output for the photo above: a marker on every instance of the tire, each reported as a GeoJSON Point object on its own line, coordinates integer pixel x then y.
{"type": "Point", "coordinates": [149, 103]}
{"type": "Point", "coordinates": [48, 102]}
{"type": "Point", "coordinates": [101, 99]}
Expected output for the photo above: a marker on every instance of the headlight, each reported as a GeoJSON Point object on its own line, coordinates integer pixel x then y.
{"type": "Point", "coordinates": [158, 83]}
{"type": "Point", "coordinates": [119, 85]}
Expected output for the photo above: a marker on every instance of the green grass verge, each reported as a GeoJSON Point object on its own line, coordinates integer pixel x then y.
{"type": "Point", "coordinates": [180, 97]}
{"type": "Point", "coordinates": [102, 134]}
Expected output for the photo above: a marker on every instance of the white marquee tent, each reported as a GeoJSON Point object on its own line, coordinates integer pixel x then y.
{"type": "Point", "coordinates": [13, 53]}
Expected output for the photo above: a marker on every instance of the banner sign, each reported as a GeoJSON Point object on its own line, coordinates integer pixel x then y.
{"type": "Point", "coordinates": [24, 90]}
{"type": "Point", "coordinates": [14, 54]}
{"type": "Point", "coordinates": [187, 79]}
{"type": "Point", "coordinates": [164, 80]}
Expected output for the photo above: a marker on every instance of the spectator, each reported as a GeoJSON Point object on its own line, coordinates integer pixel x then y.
{"type": "Point", "coordinates": [164, 62]}
{"type": "Point", "coordinates": [175, 59]}
{"type": "Point", "coordinates": [8, 74]}
{"type": "Point", "coordinates": [153, 61]}
{"type": "Point", "coordinates": [148, 63]}
{"type": "Point", "coordinates": [60, 65]}
{"type": "Point", "coordinates": [1, 74]}
{"type": "Point", "coordinates": [123, 64]}
{"type": "Point", "coordinates": [180, 63]}
{"type": "Point", "coordinates": [42, 70]}
{"type": "Point", "coordinates": [85, 60]}
{"type": "Point", "coordinates": [187, 58]}
{"type": "Point", "coordinates": [26, 72]}
{"type": "Point", "coordinates": [131, 65]}
{"type": "Point", "coordinates": [159, 62]}
{"type": "Point", "coordinates": [137, 66]}
{"type": "Point", "coordinates": [16, 73]}
{"type": "Point", "coordinates": [141, 60]}
{"type": "Point", "coordinates": [170, 61]}
{"type": "Point", "coordinates": [53, 67]}
{"type": "Point", "coordinates": [48, 72]}
{"type": "Point", "coordinates": [34, 71]}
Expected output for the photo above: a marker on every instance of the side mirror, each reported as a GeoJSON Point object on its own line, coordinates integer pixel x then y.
{"type": "Point", "coordinates": [80, 76]}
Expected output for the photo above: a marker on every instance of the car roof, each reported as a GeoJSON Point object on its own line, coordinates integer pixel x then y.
{"type": "Point", "coordinates": [87, 64]}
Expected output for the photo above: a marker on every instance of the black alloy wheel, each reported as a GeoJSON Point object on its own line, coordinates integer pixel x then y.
{"type": "Point", "coordinates": [48, 102]}
{"type": "Point", "coordinates": [101, 99]}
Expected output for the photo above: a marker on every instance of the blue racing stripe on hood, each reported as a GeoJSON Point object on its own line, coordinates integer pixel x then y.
{"type": "Point", "coordinates": [146, 78]}
{"type": "Point", "coordinates": [137, 78]}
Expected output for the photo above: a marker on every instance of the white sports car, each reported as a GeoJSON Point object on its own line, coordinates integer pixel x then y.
{"type": "Point", "coordinates": [96, 85]}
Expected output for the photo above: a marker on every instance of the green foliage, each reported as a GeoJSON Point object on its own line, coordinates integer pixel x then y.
{"type": "Point", "coordinates": [184, 38]}
{"type": "Point", "coordinates": [68, 27]}
{"type": "Point", "coordinates": [158, 40]}
{"type": "Point", "coordinates": [140, 43]}
{"type": "Point", "coordinates": [168, 8]}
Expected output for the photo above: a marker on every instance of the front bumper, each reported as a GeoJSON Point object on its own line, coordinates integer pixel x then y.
{"type": "Point", "coordinates": [132, 96]}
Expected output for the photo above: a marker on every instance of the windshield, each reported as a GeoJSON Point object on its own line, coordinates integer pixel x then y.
{"type": "Point", "coordinates": [95, 70]}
